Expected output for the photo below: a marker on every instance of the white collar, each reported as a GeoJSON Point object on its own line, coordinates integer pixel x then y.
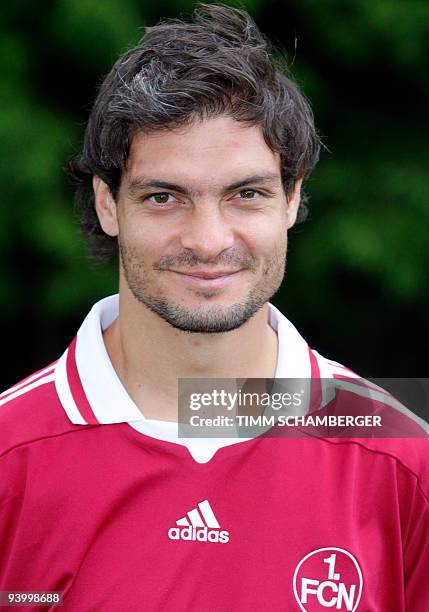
{"type": "Point", "coordinates": [91, 392]}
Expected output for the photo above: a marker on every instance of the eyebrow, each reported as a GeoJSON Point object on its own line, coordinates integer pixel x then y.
{"type": "Point", "coordinates": [137, 184]}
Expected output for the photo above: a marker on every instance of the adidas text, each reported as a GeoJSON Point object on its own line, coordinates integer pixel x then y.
{"type": "Point", "coordinates": [200, 534]}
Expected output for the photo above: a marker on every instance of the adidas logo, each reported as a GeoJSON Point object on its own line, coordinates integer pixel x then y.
{"type": "Point", "coordinates": [202, 526]}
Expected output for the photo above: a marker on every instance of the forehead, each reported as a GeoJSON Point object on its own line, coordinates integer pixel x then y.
{"type": "Point", "coordinates": [215, 150]}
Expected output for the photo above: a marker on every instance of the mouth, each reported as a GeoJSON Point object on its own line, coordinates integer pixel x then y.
{"type": "Point", "coordinates": [213, 279]}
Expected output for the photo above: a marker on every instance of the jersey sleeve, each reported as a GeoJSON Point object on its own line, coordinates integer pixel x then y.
{"type": "Point", "coordinates": [416, 555]}
{"type": "Point", "coordinates": [10, 501]}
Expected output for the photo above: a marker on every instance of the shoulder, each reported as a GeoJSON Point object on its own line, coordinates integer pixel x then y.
{"type": "Point", "coordinates": [397, 434]}
{"type": "Point", "coordinates": [31, 410]}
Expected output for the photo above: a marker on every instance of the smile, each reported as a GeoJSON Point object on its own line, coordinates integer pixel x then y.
{"type": "Point", "coordinates": [207, 279]}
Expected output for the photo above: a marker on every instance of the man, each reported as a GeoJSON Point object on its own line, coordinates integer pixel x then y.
{"type": "Point", "coordinates": [192, 167]}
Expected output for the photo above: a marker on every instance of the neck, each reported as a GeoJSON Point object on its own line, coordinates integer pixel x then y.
{"type": "Point", "coordinates": [149, 355]}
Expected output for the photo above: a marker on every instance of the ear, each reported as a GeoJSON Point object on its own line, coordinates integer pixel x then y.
{"type": "Point", "coordinates": [105, 207]}
{"type": "Point", "coordinates": [293, 202]}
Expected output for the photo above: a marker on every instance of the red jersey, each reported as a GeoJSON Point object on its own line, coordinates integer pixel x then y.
{"type": "Point", "coordinates": [119, 513]}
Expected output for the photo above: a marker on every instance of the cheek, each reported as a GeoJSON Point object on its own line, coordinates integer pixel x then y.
{"type": "Point", "coordinates": [264, 238]}
{"type": "Point", "coordinates": [146, 242]}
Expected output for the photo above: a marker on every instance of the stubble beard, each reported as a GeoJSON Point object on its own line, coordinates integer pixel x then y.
{"type": "Point", "coordinates": [210, 319]}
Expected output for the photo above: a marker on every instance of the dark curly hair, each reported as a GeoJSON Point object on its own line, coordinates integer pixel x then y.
{"type": "Point", "coordinates": [219, 63]}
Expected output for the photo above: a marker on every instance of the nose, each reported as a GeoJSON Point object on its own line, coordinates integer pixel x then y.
{"type": "Point", "coordinates": [206, 232]}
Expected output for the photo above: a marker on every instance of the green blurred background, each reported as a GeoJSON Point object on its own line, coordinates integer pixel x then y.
{"type": "Point", "coordinates": [357, 279]}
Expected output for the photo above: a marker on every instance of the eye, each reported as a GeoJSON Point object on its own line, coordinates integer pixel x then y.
{"type": "Point", "coordinates": [248, 194]}
{"type": "Point", "coordinates": [160, 198]}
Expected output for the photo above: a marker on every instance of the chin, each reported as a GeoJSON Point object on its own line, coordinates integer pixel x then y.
{"type": "Point", "coordinates": [211, 319]}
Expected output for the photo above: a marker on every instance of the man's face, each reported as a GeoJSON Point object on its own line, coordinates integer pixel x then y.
{"type": "Point", "coordinates": [201, 219]}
